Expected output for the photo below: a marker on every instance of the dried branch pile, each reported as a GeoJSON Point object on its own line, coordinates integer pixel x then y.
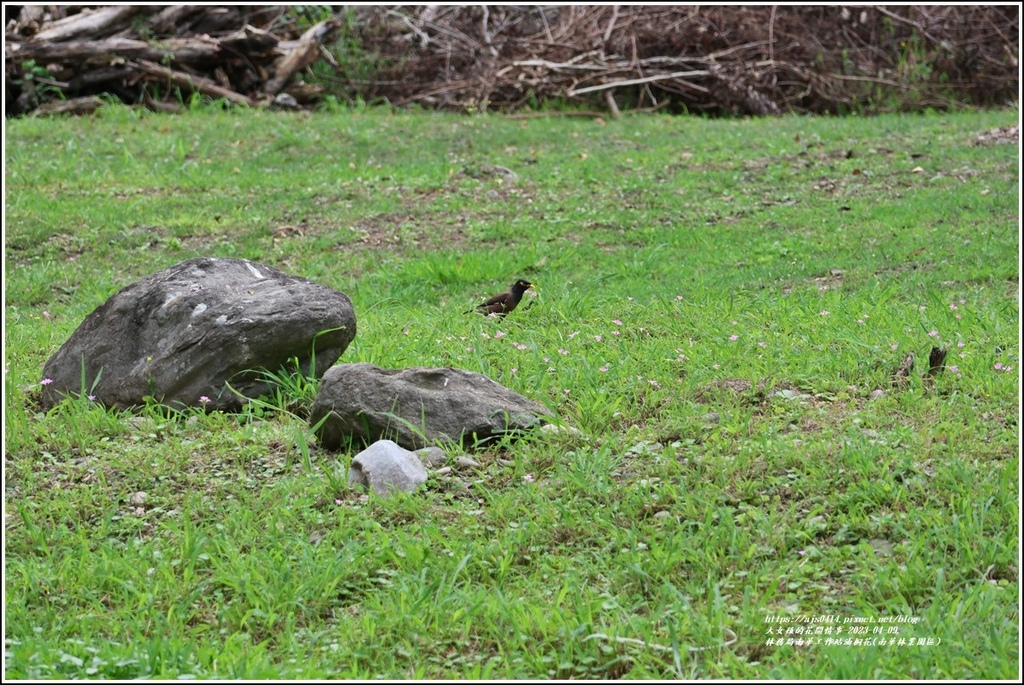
{"type": "Point", "coordinates": [740, 60]}
{"type": "Point", "coordinates": [59, 62]}
{"type": "Point", "coordinates": [723, 60]}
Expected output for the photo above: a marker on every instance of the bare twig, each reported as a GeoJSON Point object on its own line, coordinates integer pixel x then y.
{"type": "Point", "coordinates": [486, 33]}
{"type": "Point", "coordinates": [613, 108]}
{"type": "Point", "coordinates": [611, 25]}
{"type": "Point", "coordinates": [637, 81]}
{"type": "Point", "coordinates": [909, 22]}
{"type": "Point", "coordinates": [660, 648]}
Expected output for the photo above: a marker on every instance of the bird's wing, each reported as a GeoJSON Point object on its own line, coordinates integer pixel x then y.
{"type": "Point", "coordinates": [497, 299]}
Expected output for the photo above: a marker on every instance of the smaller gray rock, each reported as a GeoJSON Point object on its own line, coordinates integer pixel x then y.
{"type": "Point", "coordinates": [467, 463]}
{"type": "Point", "coordinates": [444, 470]}
{"type": "Point", "coordinates": [432, 457]}
{"type": "Point", "coordinates": [418, 407]}
{"type": "Point", "coordinates": [663, 514]}
{"type": "Point", "coordinates": [384, 467]}
{"type": "Point", "coordinates": [137, 499]}
{"type": "Point", "coordinates": [712, 417]}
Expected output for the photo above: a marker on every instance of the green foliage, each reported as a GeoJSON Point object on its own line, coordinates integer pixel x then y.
{"type": "Point", "coordinates": [37, 80]}
{"type": "Point", "coordinates": [353, 64]}
{"type": "Point", "coordinates": [720, 309]}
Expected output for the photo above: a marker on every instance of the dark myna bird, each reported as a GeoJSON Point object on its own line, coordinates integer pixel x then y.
{"type": "Point", "coordinates": [505, 302]}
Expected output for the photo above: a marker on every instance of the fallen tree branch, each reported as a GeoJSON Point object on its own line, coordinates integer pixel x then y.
{"type": "Point", "coordinates": [191, 83]}
{"type": "Point", "coordinates": [301, 55]}
{"type": "Point", "coordinates": [183, 50]}
{"type": "Point", "coordinates": [86, 105]}
{"type": "Point", "coordinates": [95, 23]}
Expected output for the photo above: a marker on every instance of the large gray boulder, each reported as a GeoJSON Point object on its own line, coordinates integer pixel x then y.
{"type": "Point", "coordinates": [418, 406]}
{"type": "Point", "coordinates": [188, 331]}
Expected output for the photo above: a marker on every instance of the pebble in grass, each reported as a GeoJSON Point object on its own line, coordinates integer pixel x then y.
{"type": "Point", "coordinates": [384, 467]}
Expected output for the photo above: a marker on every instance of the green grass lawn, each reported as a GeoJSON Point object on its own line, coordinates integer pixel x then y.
{"type": "Point", "coordinates": [721, 307]}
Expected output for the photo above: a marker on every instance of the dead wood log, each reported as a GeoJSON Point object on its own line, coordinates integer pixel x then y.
{"type": "Point", "coordinates": [304, 52]}
{"type": "Point", "coordinates": [97, 77]}
{"type": "Point", "coordinates": [250, 41]}
{"type": "Point", "coordinates": [169, 19]}
{"type": "Point", "coordinates": [156, 106]}
{"type": "Point", "coordinates": [30, 19]}
{"type": "Point", "coordinates": [191, 83]}
{"type": "Point", "coordinates": [86, 105]}
{"type": "Point", "coordinates": [180, 50]}
{"type": "Point", "coordinates": [93, 23]}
